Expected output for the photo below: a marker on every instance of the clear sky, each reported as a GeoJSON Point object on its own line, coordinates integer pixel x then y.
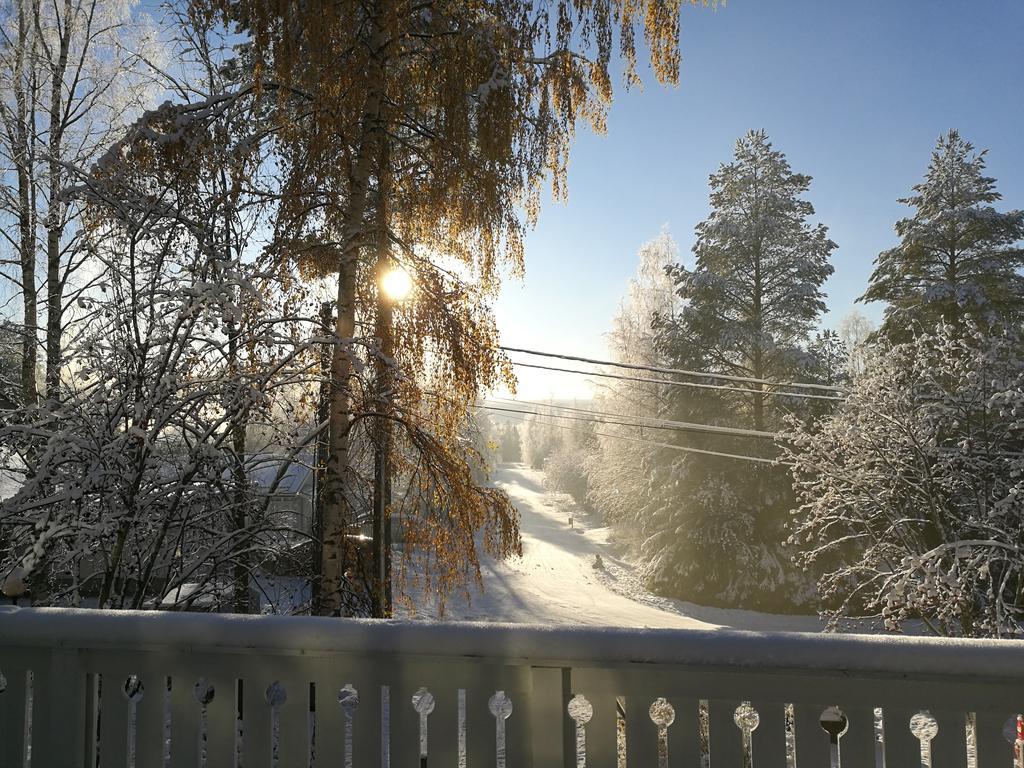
{"type": "Point", "coordinates": [854, 93]}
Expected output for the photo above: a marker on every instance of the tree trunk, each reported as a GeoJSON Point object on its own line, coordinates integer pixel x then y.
{"type": "Point", "coordinates": [22, 136]}
{"type": "Point", "coordinates": [54, 214]}
{"type": "Point", "coordinates": [322, 450]}
{"type": "Point", "coordinates": [337, 514]}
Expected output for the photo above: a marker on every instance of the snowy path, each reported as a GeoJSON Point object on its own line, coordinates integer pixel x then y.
{"type": "Point", "coordinates": [554, 582]}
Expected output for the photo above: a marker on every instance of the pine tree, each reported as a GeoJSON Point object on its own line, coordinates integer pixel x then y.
{"type": "Point", "coordinates": [716, 526]}
{"type": "Point", "coordinates": [957, 256]}
{"type": "Point", "coordinates": [756, 290]}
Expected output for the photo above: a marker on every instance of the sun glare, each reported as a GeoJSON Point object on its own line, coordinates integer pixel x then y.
{"type": "Point", "coordinates": [396, 284]}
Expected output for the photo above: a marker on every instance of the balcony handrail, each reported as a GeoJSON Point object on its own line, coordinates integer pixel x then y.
{"type": "Point", "coordinates": [155, 689]}
{"type": "Point", "coordinates": [860, 655]}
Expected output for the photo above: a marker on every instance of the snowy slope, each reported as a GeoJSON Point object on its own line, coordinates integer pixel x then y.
{"type": "Point", "coordinates": [555, 582]}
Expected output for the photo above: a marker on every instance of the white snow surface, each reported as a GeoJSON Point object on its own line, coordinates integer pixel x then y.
{"type": "Point", "coordinates": [554, 582]}
{"type": "Point", "coordinates": [10, 482]}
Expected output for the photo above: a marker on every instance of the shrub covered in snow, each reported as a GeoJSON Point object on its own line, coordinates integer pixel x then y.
{"type": "Point", "coordinates": [912, 493]}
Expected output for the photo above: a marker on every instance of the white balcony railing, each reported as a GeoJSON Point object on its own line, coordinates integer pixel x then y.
{"type": "Point", "coordinates": [154, 689]}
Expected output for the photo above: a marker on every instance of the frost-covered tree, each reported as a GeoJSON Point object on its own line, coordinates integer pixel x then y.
{"type": "Point", "coordinates": [618, 471]}
{"type": "Point", "coordinates": [714, 531]}
{"type": "Point", "coordinates": [410, 130]}
{"type": "Point", "coordinates": [565, 469]}
{"type": "Point", "coordinates": [755, 292]}
{"type": "Point", "coordinates": [958, 256]}
{"type": "Point", "coordinates": [510, 446]}
{"type": "Point", "coordinates": [541, 438]}
{"type": "Point", "coordinates": [854, 331]}
{"type": "Point", "coordinates": [72, 76]}
{"type": "Point", "coordinates": [912, 492]}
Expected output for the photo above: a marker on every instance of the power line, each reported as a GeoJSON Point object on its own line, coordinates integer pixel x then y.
{"type": "Point", "coordinates": [677, 426]}
{"type": "Point", "coordinates": [684, 448]}
{"type": "Point", "coordinates": [693, 384]}
{"type": "Point", "coordinates": [681, 371]}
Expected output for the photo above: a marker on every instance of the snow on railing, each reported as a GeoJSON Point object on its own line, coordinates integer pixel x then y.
{"type": "Point", "coordinates": [150, 689]}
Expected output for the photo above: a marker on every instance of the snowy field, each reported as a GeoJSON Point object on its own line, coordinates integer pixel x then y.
{"type": "Point", "coordinates": [555, 582]}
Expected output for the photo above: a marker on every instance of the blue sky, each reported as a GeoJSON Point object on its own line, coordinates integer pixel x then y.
{"type": "Point", "coordinates": [854, 93]}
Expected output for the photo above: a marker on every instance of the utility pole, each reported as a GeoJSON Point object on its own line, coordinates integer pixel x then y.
{"type": "Point", "coordinates": [382, 461]}
{"type": "Point", "coordinates": [394, 285]}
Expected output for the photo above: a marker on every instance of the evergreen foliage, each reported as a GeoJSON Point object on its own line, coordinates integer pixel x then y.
{"type": "Point", "coordinates": [912, 493]}
{"type": "Point", "coordinates": [715, 530]}
{"type": "Point", "coordinates": [957, 255]}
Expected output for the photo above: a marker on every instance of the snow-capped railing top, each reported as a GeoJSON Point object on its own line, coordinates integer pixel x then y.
{"type": "Point", "coordinates": [194, 689]}
{"type": "Point", "coordinates": [539, 644]}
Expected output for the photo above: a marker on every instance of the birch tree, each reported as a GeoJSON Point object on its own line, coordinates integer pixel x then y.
{"type": "Point", "coordinates": [619, 473]}
{"type": "Point", "coordinates": [414, 131]}
{"type": "Point", "coordinates": [74, 72]}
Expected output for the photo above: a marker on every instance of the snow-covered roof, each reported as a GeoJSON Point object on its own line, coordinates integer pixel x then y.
{"type": "Point", "coordinates": [263, 468]}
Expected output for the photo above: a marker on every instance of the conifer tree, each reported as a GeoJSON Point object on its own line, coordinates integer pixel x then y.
{"type": "Point", "coordinates": [717, 525]}
{"type": "Point", "coordinates": [756, 290]}
{"type": "Point", "coordinates": [957, 255]}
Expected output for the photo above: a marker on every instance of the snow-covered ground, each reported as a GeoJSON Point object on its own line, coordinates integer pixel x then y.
{"type": "Point", "coordinates": [10, 482]}
{"type": "Point", "coordinates": [555, 582]}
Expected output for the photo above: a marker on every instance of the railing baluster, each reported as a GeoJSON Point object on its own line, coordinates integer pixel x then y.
{"type": "Point", "coordinates": [812, 743]}
{"type": "Point", "coordinates": [149, 721]}
{"type": "Point", "coordinates": [547, 730]}
{"type": "Point", "coordinates": [444, 728]}
{"type": "Point", "coordinates": [726, 738]}
{"type": "Point", "coordinates": [480, 728]}
{"type": "Point", "coordinates": [602, 733]}
{"type": "Point", "coordinates": [641, 733]}
{"type": "Point", "coordinates": [770, 736]}
{"type": "Point", "coordinates": [221, 712]}
{"type": "Point", "coordinates": [858, 743]}
{"type": "Point", "coordinates": [294, 723]}
{"type": "Point", "coordinates": [902, 748]}
{"type": "Point", "coordinates": [335, 704]}
{"type": "Point", "coordinates": [367, 727]}
{"type": "Point", "coordinates": [185, 712]}
{"type": "Point", "coordinates": [256, 720]}
{"type": "Point", "coordinates": [949, 747]}
{"type": "Point", "coordinates": [115, 710]}
{"type": "Point", "coordinates": [12, 714]}
{"type": "Point", "coordinates": [684, 733]}
{"type": "Point", "coordinates": [994, 751]}
{"type": "Point", "coordinates": [404, 735]}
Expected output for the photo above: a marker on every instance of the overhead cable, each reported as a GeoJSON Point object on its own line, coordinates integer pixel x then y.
{"type": "Point", "coordinates": [669, 382]}
{"type": "Point", "coordinates": [679, 371]}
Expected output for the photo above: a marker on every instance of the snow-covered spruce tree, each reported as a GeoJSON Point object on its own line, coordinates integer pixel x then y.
{"type": "Point", "coordinates": [565, 470]}
{"type": "Point", "coordinates": [510, 448]}
{"type": "Point", "coordinates": [715, 532]}
{"type": "Point", "coordinates": [619, 469]}
{"type": "Point", "coordinates": [913, 490]}
{"type": "Point", "coordinates": [541, 438]}
{"type": "Point", "coordinates": [957, 256]}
